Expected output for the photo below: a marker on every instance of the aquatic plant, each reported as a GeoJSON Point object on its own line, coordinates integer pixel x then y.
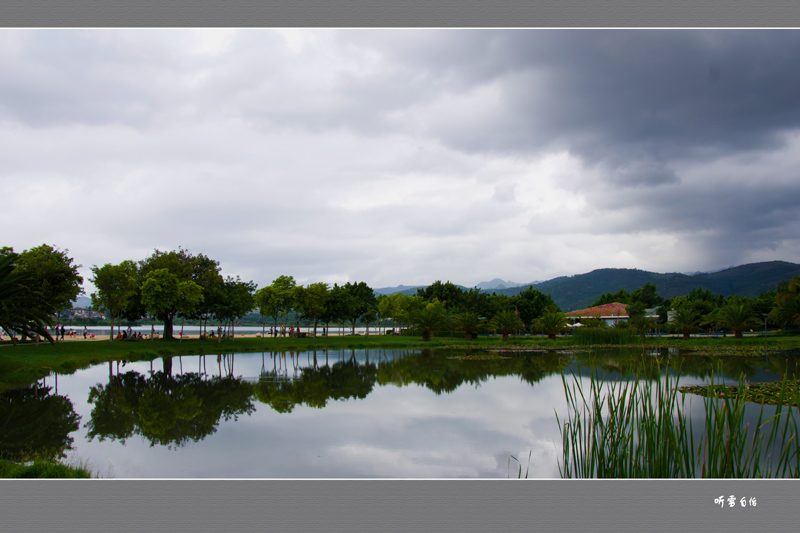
{"type": "Point", "coordinates": [640, 429]}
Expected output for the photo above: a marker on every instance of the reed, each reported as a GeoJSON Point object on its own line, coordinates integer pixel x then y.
{"type": "Point", "coordinates": [611, 336]}
{"type": "Point", "coordinates": [639, 429]}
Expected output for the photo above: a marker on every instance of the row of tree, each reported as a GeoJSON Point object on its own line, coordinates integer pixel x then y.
{"type": "Point", "coordinates": [38, 283]}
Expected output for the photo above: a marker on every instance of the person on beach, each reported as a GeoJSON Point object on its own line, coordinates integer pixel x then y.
{"type": "Point", "coordinates": [85, 332]}
{"type": "Point", "coordinates": [63, 331]}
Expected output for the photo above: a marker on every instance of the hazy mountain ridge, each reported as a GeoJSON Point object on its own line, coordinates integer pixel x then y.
{"type": "Point", "coordinates": [581, 290]}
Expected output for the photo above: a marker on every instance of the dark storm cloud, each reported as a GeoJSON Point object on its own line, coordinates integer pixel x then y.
{"type": "Point", "coordinates": [400, 156]}
{"type": "Point", "coordinates": [666, 93]}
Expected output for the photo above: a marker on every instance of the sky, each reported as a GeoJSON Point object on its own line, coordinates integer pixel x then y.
{"type": "Point", "coordinates": [403, 156]}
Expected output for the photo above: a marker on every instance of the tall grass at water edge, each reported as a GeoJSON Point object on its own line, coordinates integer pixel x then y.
{"type": "Point", "coordinates": [640, 429]}
{"type": "Point", "coordinates": [594, 336]}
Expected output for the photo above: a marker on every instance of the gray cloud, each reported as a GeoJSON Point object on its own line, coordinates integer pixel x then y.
{"type": "Point", "coordinates": [404, 156]}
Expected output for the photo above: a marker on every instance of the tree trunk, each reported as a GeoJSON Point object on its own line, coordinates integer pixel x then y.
{"type": "Point", "coordinates": [168, 327]}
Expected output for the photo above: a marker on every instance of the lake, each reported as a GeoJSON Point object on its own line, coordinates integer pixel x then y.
{"type": "Point", "coordinates": [329, 413]}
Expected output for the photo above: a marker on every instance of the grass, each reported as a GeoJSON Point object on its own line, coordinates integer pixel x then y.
{"type": "Point", "coordinates": [611, 336]}
{"type": "Point", "coordinates": [43, 469]}
{"type": "Point", "coordinates": [639, 429]}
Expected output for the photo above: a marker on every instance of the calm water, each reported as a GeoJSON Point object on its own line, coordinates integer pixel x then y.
{"type": "Point", "coordinates": [324, 414]}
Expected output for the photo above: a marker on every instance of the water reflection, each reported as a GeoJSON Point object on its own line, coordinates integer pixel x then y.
{"type": "Point", "coordinates": [342, 413]}
{"type": "Point", "coordinates": [36, 424]}
{"type": "Point", "coordinates": [164, 409]}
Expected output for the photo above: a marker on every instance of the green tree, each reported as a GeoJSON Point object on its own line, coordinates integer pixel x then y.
{"type": "Point", "coordinates": [23, 309]}
{"type": "Point", "coordinates": [552, 322]}
{"type": "Point", "coordinates": [116, 285]}
{"type": "Point", "coordinates": [164, 295]}
{"type": "Point", "coordinates": [283, 286]}
{"type": "Point", "coordinates": [269, 304]}
{"type": "Point", "coordinates": [363, 298]}
{"type": "Point", "coordinates": [339, 306]}
{"type": "Point", "coordinates": [637, 317]}
{"type": "Point", "coordinates": [236, 301]}
{"type": "Point", "coordinates": [531, 304]}
{"type": "Point", "coordinates": [505, 323]}
{"type": "Point", "coordinates": [448, 293]}
{"type": "Point", "coordinates": [647, 295]}
{"type": "Point", "coordinates": [429, 319]}
{"type": "Point", "coordinates": [786, 311]}
{"type": "Point", "coordinates": [737, 317]}
{"type": "Point", "coordinates": [467, 321]}
{"type": "Point", "coordinates": [686, 321]}
{"type": "Point", "coordinates": [199, 269]}
{"type": "Point", "coordinates": [55, 273]}
{"type": "Point", "coordinates": [622, 296]}
{"type": "Point", "coordinates": [311, 301]}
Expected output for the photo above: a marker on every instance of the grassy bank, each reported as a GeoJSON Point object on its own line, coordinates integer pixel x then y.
{"type": "Point", "coordinates": [24, 363]}
{"type": "Point", "coordinates": [43, 470]}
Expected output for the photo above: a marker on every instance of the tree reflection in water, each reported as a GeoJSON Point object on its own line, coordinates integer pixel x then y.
{"type": "Point", "coordinates": [164, 409]}
{"type": "Point", "coordinates": [173, 410]}
{"type": "Point", "coordinates": [35, 424]}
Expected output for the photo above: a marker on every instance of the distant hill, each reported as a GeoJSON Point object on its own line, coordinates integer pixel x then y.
{"type": "Point", "coordinates": [402, 289]}
{"type": "Point", "coordinates": [498, 283]}
{"type": "Point", "coordinates": [82, 302]}
{"type": "Point", "coordinates": [580, 291]}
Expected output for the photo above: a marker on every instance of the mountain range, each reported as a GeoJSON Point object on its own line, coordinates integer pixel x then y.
{"type": "Point", "coordinates": [581, 290]}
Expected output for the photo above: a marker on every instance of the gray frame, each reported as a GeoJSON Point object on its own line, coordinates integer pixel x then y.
{"type": "Point", "coordinates": [398, 13]}
{"type": "Point", "coordinates": [369, 505]}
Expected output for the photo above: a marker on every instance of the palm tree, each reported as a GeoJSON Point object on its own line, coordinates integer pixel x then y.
{"type": "Point", "coordinates": [428, 320]}
{"type": "Point", "coordinates": [22, 309]}
{"type": "Point", "coordinates": [686, 320]}
{"type": "Point", "coordinates": [787, 305]}
{"type": "Point", "coordinates": [551, 323]}
{"type": "Point", "coordinates": [736, 317]}
{"type": "Point", "coordinates": [467, 321]}
{"type": "Point", "coordinates": [506, 322]}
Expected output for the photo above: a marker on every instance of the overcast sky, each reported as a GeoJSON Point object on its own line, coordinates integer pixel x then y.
{"type": "Point", "coordinates": [400, 156]}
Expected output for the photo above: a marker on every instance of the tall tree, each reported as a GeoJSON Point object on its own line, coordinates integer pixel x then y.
{"type": "Point", "coordinates": [284, 287]}
{"type": "Point", "coordinates": [429, 319]}
{"type": "Point", "coordinates": [531, 304]}
{"type": "Point", "coordinates": [686, 321]}
{"type": "Point", "coordinates": [468, 322]}
{"type": "Point", "coordinates": [552, 322]}
{"type": "Point", "coordinates": [55, 273]}
{"type": "Point", "coordinates": [310, 301]}
{"type": "Point", "coordinates": [506, 322]}
{"type": "Point", "coordinates": [787, 304]}
{"type": "Point", "coordinates": [363, 298]}
{"type": "Point", "coordinates": [199, 269]}
{"type": "Point", "coordinates": [268, 305]}
{"type": "Point", "coordinates": [116, 285]}
{"type": "Point", "coordinates": [164, 295]}
{"type": "Point", "coordinates": [736, 316]}
{"type": "Point", "coordinates": [237, 300]}
{"type": "Point", "coordinates": [23, 309]}
{"type": "Point", "coordinates": [448, 293]}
